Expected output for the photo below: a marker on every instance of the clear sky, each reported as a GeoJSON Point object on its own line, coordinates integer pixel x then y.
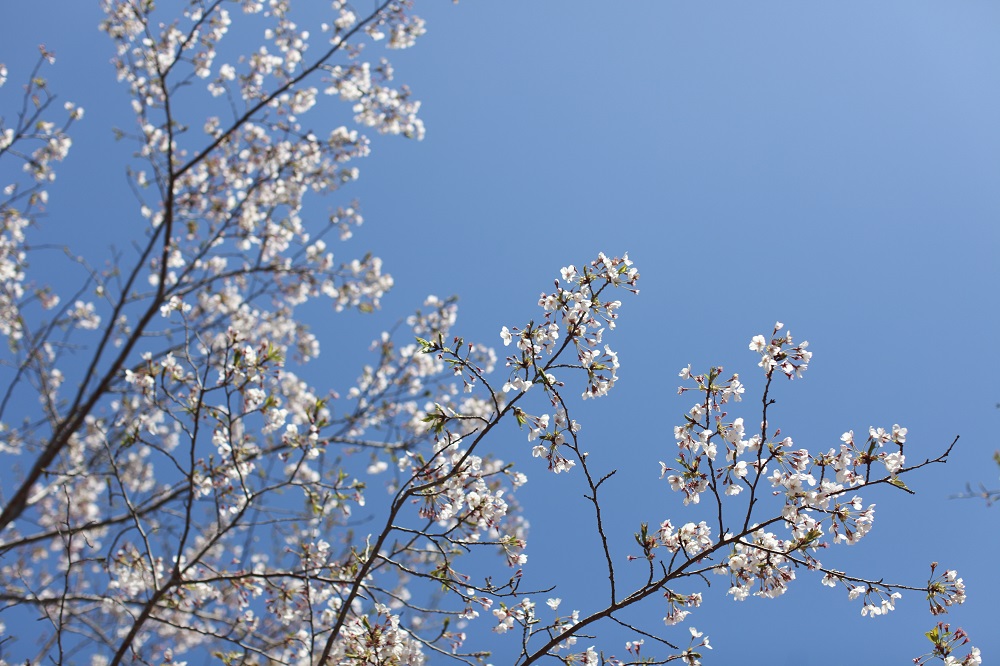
{"type": "Point", "coordinates": [831, 165]}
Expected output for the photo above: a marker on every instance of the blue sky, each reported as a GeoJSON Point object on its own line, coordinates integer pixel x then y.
{"type": "Point", "coordinates": [833, 166]}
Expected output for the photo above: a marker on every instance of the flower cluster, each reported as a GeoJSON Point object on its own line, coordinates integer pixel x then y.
{"type": "Point", "coordinates": [676, 602]}
{"type": "Point", "coordinates": [758, 566]}
{"type": "Point", "coordinates": [944, 591]}
{"type": "Point", "coordinates": [522, 614]}
{"type": "Point", "coordinates": [575, 319]}
{"type": "Point", "coordinates": [39, 144]}
{"type": "Point", "coordinates": [690, 539]}
{"type": "Point", "coordinates": [577, 315]}
{"type": "Point", "coordinates": [945, 643]}
{"type": "Point", "coordinates": [781, 353]}
{"type": "Point", "coordinates": [552, 443]}
{"type": "Point", "coordinates": [380, 641]}
{"type": "Point", "coordinates": [817, 495]}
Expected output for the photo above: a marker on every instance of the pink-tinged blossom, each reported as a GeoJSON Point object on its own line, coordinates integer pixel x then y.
{"type": "Point", "coordinates": [84, 315]}
{"type": "Point", "coordinates": [894, 462]}
{"type": "Point", "coordinates": [898, 434]}
{"type": "Point", "coordinates": [945, 591]}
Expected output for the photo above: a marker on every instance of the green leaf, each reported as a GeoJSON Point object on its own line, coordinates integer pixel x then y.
{"type": "Point", "coordinates": [899, 484]}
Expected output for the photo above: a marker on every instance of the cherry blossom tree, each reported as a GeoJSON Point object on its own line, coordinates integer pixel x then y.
{"type": "Point", "coordinates": [172, 489]}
